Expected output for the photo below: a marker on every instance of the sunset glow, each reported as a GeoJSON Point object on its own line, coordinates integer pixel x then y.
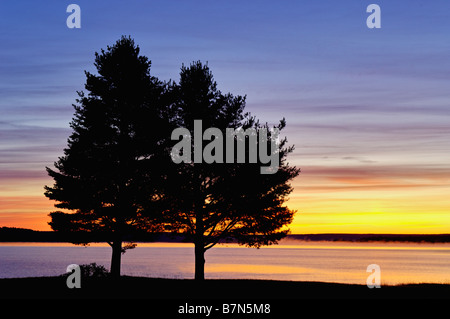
{"type": "Point", "coordinates": [367, 110]}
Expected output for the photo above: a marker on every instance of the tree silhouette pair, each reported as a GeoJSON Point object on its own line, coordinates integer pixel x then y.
{"type": "Point", "coordinates": [117, 178]}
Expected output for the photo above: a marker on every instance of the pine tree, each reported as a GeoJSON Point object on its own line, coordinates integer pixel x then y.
{"type": "Point", "coordinates": [105, 173]}
{"type": "Point", "coordinates": [210, 202]}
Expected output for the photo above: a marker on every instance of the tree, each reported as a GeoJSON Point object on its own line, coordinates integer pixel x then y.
{"type": "Point", "coordinates": [104, 177]}
{"type": "Point", "coordinates": [210, 202]}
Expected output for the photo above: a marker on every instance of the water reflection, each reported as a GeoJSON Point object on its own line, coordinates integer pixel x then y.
{"type": "Point", "coordinates": [304, 261]}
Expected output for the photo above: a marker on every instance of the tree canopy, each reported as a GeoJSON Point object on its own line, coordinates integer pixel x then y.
{"type": "Point", "coordinates": [119, 174]}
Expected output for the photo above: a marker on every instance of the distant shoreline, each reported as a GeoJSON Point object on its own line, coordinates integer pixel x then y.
{"type": "Point", "coordinates": [11, 234]}
{"type": "Point", "coordinates": [414, 238]}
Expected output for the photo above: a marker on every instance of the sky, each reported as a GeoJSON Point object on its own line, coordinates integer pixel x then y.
{"type": "Point", "coordinates": [368, 110]}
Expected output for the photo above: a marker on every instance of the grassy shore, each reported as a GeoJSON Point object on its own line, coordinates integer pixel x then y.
{"type": "Point", "coordinates": [177, 289]}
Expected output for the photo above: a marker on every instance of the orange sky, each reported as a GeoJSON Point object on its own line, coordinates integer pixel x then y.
{"type": "Point", "coordinates": [406, 203]}
{"type": "Point", "coordinates": [326, 201]}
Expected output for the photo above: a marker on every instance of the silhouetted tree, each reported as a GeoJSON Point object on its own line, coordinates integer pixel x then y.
{"type": "Point", "coordinates": [222, 201]}
{"type": "Point", "coordinates": [104, 175]}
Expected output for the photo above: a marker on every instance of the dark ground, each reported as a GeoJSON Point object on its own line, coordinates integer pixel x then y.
{"type": "Point", "coordinates": [138, 297]}
{"type": "Point", "coordinates": [160, 289]}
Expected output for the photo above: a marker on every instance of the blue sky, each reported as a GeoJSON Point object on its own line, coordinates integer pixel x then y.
{"type": "Point", "coordinates": [358, 101]}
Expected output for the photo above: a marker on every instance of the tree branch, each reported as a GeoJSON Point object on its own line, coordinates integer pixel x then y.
{"type": "Point", "coordinates": [221, 235]}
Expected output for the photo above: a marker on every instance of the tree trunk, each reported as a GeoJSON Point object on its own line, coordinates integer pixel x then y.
{"type": "Point", "coordinates": [199, 262]}
{"type": "Point", "coordinates": [116, 258]}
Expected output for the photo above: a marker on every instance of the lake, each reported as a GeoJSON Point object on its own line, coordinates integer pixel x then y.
{"type": "Point", "coordinates": [343, 262]}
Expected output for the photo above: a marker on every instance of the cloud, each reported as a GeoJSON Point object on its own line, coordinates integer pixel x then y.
{"type": "Point", "coordinates": [14, 136]}
{"type": "Point", "coordinates": [345, 178]}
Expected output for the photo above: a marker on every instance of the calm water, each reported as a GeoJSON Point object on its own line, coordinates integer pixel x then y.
{"type": "Point", "coordinates": [303, 261]}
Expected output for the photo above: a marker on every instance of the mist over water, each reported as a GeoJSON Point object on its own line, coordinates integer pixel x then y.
{"type": "Point", "coordinates": [343, 262]}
